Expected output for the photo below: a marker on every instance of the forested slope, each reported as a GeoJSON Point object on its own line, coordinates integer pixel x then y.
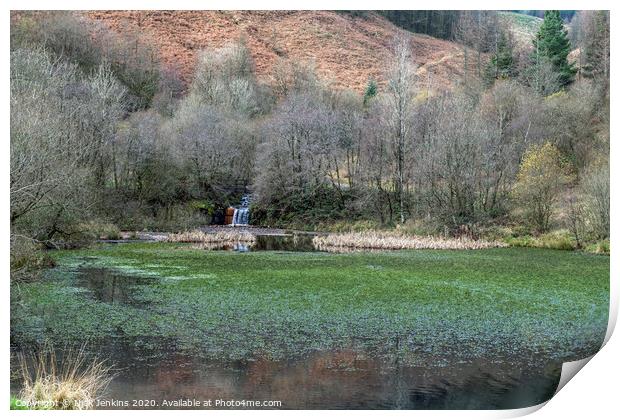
{"type": "Point", "coordinates": [160, 120]}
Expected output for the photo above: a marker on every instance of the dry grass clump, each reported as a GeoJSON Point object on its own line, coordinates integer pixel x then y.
{"type": "Point", "coordinates": [73, 384]}
{"type": "Point", "coordinates": [27, 258]}
{"type": "Point", "coordinates": [390, 240]}
{"type": "Point", "coordinates": [221, 237]}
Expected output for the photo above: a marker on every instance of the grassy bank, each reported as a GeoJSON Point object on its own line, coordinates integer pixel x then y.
{"type": "Point", "coordinates": [231, 305]}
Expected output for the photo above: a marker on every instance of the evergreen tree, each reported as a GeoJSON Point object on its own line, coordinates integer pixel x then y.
{"type": "Point", "coordinates": [504, 58]}
{"type": "Point", "coordinates": [501, 65]}
{"type": "Point", "coordinates": [552, 43]}
{"type": "Point", "coordinates": [371, 91]}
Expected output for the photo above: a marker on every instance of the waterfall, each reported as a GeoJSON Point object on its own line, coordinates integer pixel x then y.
{"type": "Point", "coordinates": [241, 216]}
{"type": "Point", "coordinates": [234, 220]}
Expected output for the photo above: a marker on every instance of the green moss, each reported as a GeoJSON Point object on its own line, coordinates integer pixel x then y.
{"type": "Point", "coordinates": [279, 304]}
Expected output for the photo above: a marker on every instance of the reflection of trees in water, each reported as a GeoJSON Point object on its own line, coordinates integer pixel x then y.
{"type": "Point", "coordinates": [109, 287]}
{"type": "Point", "coordinates": [345, 378]}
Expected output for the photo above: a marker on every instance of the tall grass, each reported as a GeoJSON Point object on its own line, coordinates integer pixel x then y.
{"type": "Point", "coordinates": [71, 384]}
{"type": "Point", "coordinates": [27, 258]}
{"type": "Point", "coordinates": [394, 240]}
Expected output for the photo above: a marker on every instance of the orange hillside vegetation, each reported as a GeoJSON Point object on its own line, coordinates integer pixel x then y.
{"type": "Point", "coordinates": [346, 51]}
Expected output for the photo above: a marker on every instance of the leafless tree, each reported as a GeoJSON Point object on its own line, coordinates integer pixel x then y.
{"type": "Point", "coordinates": [60, 124]}
{"type": "Point", "coordinates": [397, 111]}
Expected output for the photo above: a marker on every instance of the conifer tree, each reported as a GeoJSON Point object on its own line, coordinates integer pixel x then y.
{"type": "Point", "coordinates": [371, 91]}
{"type": "Point", "coordinates": [504, 59]}
{"type": "Point", "coordinates": [552, 44]}
{"type": "Point", "coordinates": [501, 65]}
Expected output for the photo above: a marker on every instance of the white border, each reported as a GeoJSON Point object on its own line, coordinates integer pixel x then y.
{"type": "Point", "coordinates": [591, 395]}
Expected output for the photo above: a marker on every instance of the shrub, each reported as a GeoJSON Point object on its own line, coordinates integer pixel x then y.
{"type": "Point", "coordinates": [595, 186]}
{"type": "Point", "coordinates": [559, 239]}
{"type": "Point", "coordinates": [498, 233]}
{"type": "Point", "coordinates": [27, 258]}
{"type": "Point", "coordinates": [600, 247]}
{"type": "Point", "coordinates": [542, 174]}
{"type": "Point", "coordinates": [420, 227]}
{"type": "Point", "coordinates": [348, 226]}
{"type": "Point", "coordinates": [99, 230]}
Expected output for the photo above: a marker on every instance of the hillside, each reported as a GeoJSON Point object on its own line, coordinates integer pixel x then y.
{"type": "Point", "coordinates": [347, 51]}
{"type": "Point", "coordinates": [523, 27]}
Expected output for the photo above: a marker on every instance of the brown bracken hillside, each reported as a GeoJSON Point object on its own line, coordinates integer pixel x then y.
{"type": "Point", "coordinates": [346, 51]}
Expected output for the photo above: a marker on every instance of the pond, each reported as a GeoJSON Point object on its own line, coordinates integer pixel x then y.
{"type": "Point", "coordinates": [339, 379]}
{"type": "Point", "coordinates": [319, 331]}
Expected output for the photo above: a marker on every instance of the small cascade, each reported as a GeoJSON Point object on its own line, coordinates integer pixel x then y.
{"type": "Point", "coordinates": [241, 215]}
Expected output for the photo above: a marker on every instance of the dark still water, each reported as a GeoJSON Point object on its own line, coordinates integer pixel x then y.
{"type": "Point", "coordinates": [152, 376]}
{"type": "Point", "coordinates": [340, 380]}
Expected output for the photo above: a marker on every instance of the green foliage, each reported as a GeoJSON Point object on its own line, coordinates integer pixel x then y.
{"type": "Point", "coordinates": [202, 205]}
{"type": "Point", "coordinates": [370, 92]}
{"type": "Point", "coordinates": [307, 210]}
{"type": "Point", "coordinates": [600, 247]}
{"type": "Point", "coordinates": [552, 43]}
{"type": "Point", "coordinates": [502, 65]}
{"type": "Point", "coordinates": [559, 239]}
{"type": "Point", "coordinates": [319, 159]}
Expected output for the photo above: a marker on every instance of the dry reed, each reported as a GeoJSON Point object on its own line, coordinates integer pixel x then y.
{"type": "Point", "coordinates": [377, 240]}
{"type": "Point", "coordinates": [73, 384]}
{"type": "Point", "coordinates": [221, 237]}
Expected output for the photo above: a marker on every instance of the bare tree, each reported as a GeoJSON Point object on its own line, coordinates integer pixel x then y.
{"type": "Point", "coordinates": [397, 113]}
{"type": "Point", "coordinates": [60, 124]}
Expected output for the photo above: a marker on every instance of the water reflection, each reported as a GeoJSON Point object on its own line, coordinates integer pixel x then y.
{"type": "Point", "coordinates": [288, 242]}
{"type": "Point", "coordinates": [340, 379]}
{"type": "Point", "coordinates": [111, 287]}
